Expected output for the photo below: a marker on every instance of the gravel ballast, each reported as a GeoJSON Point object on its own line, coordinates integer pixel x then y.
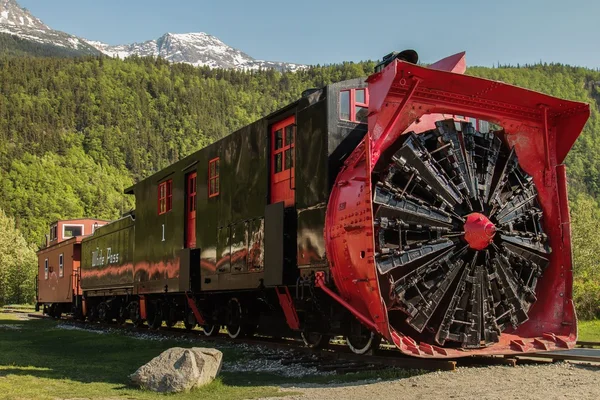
{"type": "Point", "coordinates": [529, 382]}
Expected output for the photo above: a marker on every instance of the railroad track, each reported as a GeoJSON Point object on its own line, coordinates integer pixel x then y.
{"type": "Point", "coordinates": [339, 358]}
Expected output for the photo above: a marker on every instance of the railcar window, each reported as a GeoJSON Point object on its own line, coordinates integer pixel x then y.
{"type": "Point", "coordinates": [345, 105]}
{"type": "Point", "coordinates": [165, 197]}
{"type": "Point", "coordinates": [289, 135]}
{"type": "Point", "coordinates": [354, 105]}
{"type": "Point", "coordinates": [46, 268]}
{"type": "Point", "coordinates": [278, 139]}
{"type": "Point", "coordinates": [289, 159]}
{"type": "Point", "coordinates": [192, 194]}
{"type": "Point", "coordinates": [213, 177]}
{"type": "Point", "coordinates": [61, 267]}
{"type": "Point", "coordinates": [360, 96]}
{"type": "Point", "coordinates": [72, 230]}
{"type": "Point", "coordinates": [283, 151]}
{"type": "Point", "coordinates": [278, 167]}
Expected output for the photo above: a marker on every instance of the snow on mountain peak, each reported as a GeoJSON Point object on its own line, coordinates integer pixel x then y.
{"type": "Point", "coordinates": [11, 14]}
{"type": "Point", "coordinates": [18, 21]}
{"type": "Point", "coordinates": [196, 48]}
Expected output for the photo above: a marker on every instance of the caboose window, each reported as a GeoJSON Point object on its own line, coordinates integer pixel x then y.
{"type": "Point", "coordinates": [61, 267]}
{"type": "Point", "coordinates": [354, 105]}
{"type": "Point", "coordinates": [213, 177]}
{"type": "Point", "coordinates": [46, 268]}
{"type": "Point", "coordinates": [165, 197]}
{"type": "Point", "coordinates": [72, 230]}
{"type": "Point", "coordinates": [53, 232]}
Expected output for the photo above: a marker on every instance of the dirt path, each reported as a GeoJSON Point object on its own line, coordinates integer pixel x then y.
{"type": "Point", "coordinates": [547, 382]}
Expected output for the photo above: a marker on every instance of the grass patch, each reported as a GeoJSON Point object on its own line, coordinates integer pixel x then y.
{"type": "Point", "coordinates": [40, 361]}
{"type": "Point", "coordinates": [23, 307]}
{"type": "Point", "coordinates": [589, 331]}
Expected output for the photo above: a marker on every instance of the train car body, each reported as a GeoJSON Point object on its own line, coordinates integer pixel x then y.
{"type": "Point", "coordinates": [420, 206]}
{"type": "Point", "coordinates": [58, 284]}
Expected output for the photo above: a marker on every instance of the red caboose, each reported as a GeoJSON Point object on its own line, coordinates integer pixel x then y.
{"type": "Point", "coordinates": [58, 287]}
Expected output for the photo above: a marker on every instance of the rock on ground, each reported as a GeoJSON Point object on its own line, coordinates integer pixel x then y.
{"type": "Point", "coordinates": [179, 369]}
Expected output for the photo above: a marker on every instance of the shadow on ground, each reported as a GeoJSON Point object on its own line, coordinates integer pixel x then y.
{"type": "Point", "coordinates": [37, 348]}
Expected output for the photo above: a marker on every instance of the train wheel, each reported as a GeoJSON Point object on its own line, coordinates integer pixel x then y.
{"type": "Point", "coordinates": [315, 340]}
{"type": "Point", "coordinates": [155, 317]}
{"type": "Point", "coordinates": [55, 311]}
{"type": "Point", "coordinates": [170, 316]}
{"type": "Point", "coordinates": [364, 343]}
{"type": "Point", "coordinates": [135, 314]}
{"type": "Point", "coordinates": [103, 312]}
{"type": "Point", "coordinates": [190, 321]}
{"type": "Point", "coordinates": [210, 330]}
{"type": "Point", "coordinates": [234, 325]}
{"type": "Point", "coordinates": [92, 314]}
{"type": "Point", "coordinates": [122, 316]}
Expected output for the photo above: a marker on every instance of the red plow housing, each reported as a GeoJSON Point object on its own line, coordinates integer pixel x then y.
{"type": "Point", "coordinates": [448, 241]}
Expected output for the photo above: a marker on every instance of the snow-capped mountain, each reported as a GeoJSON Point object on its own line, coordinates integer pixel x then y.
{"type": "Point", "coordinates": [199, 49]}
{"type": "Point", "coordinates": [18, 21]}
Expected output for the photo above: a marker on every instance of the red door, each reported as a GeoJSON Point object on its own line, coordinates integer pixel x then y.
{"type": "Point", "coordinates": [283, 136]}
{"type": "Point", "coordinates": [190, 214]}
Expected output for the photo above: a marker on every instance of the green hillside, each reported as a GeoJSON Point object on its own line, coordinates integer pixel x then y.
{"type": "Point", "coordinates": [75, 131]}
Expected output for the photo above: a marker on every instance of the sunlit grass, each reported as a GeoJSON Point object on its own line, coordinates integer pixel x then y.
{"type": "Point", "coordinates": [589, 331]}
{"type": "Point", "coordinates": [38, 361]}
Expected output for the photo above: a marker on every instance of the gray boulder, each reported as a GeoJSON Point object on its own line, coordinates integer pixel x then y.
{"type": "Point", "coordinates": [178, 369]}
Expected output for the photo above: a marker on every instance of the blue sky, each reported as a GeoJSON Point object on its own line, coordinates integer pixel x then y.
{"type": "Point", "coordinates": [329, 31]}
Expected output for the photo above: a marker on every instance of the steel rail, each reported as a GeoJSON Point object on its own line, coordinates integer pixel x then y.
{"type": "Point", "coordinates": [341, 353]}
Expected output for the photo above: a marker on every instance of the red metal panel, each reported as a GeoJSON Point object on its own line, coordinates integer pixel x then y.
{"type": "Point", "coordinates": [192, 304]}
{"type": "Point", "coordinates": [405, 97]}
{"type": "Point", "coordinates": [143, 311]}
{"type": "Point", "coordinates": [283, 162]}
{"type": "Point", "coordinates": [289, 310]}
{"type": "Point", "coordinates": [190, 211]}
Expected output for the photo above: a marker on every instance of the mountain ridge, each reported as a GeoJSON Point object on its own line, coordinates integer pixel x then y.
{"type": "Point", "coordinates": [18, 21]}
{"type": "Point", "coordinates": [195, 48]}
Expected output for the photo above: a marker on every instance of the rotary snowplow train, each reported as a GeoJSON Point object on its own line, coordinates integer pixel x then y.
{"type": "Point", "coordinates": [419, 206]}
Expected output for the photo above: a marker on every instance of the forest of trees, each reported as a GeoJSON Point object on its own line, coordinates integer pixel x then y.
{"type": "Point", "coordinates": [74, 132]}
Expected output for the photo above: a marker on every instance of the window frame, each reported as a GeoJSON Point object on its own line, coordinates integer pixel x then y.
{"type": "Point", "coordinates": [54, 232]}
{"type": "Point", "coordinates": [46, 273]}
{"type": "Point", "coordinates": [353, 104]}
{"type": "Point", "coordinates": [216, 177]}
{"type": "Point", "coordinates": [64, 226]}
{"type": "Point", "coordinates": [61, 265]}
{"type": "Point", "coordinates": [289, 148]}
{"type": "Point", "coordinates": [167, 199]}
{"type": "Point", "coordinates": [192, 183]}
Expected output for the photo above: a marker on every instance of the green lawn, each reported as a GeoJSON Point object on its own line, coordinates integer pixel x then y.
{"type": "Point", "coordinates": [38, 361]}
{"type": "Point", "coordinates": [589, 331]}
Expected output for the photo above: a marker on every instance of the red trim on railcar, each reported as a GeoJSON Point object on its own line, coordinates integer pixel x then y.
{"type": "Point", "coordinates": [355, 106]}
{"type": "Point", "coordinates": [165, 197]}
{"type": "Point", "coordinates": [190, 211]}
{"type": "Point", "coordinates": [287, 305]}
{"type": "Point", "coordinates": [283, 138]}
